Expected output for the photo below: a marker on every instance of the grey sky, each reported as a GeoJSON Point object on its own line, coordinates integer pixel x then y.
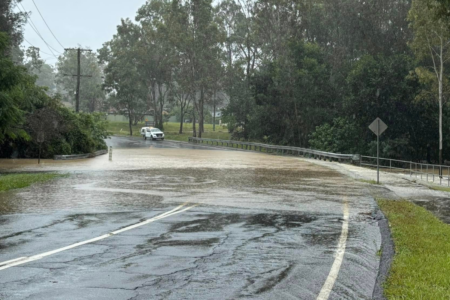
{"type": "Point", "coordinates": [88, 23]}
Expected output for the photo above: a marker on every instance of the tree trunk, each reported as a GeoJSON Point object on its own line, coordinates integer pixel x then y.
{"type": "Point", "coordinates": [194, 131]}
{"type": "Point", "coordinates": [130, 122]}
{"type": "Point", "coordinates": [155, 113]}
{"type": "Point", "coordinates": [200, 114]}
{"type": "Point", "coordinates": [161, 107]}
{"type": "Point", "coordinates": [181, 119]}
{"type": "Point", "coordinates": [214, 112]}
{"type": "Point", "coordinates": [39, 157]}
{"type": "Point", "coordinates": [441, 73]}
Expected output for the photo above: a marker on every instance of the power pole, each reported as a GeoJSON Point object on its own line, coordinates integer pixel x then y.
{"type": "Point", "coordinates": [77, 105]}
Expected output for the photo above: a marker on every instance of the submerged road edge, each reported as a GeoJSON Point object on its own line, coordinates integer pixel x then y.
{"type": "Point", "coordinates": [387, 255]}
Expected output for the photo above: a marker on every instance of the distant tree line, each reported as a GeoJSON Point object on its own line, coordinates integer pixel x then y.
{"type": "Point", "coordinates": [310, 73]}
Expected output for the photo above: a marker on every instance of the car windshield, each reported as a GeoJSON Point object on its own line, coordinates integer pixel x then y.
{"type": "Point", "coordinates": [156, 130]}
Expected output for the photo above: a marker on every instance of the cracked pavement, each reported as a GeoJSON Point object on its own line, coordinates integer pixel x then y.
{"type": "Point", "coordinates": [265, 227]}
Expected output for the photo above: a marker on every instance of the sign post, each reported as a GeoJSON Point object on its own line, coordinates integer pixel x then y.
{"type": "Point", "coordinates": [378, 127]}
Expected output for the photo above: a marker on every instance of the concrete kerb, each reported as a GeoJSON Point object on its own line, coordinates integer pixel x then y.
{"type": "Point", "coordinates": [79, 156]}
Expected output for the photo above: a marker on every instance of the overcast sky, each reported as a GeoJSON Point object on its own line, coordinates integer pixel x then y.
{"type": "Point", "coordinates": [88, 23]}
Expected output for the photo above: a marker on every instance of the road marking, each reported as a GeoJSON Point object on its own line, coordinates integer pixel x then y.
{"type": "Point", "coordinates": [334, 272]}
{"type": "Point", "coordinates": [22, 260]}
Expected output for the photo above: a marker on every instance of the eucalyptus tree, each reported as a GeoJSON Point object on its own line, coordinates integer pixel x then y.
{"type": "Point", "coordinates": [431, 44]}
{"type": "Point", "coordinates": [122, 80]}
{"type": "Point", "coordinates": [202, 43]}
{"type": "Point", "coordinates": [45, 73]}
{"type": "Point", "coordinates": [158, 25]}
{"type": "Point", "coordinates": [243, 48]}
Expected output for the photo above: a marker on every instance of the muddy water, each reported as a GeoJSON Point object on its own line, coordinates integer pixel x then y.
{"type": "Point", "coordinates": [148, 177]}
{"type": "Point", "coordinates": [157, 158]}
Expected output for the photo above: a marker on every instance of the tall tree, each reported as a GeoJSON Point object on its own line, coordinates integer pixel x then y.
{"type": "Point", "coordinates": [431, 44]}
{"type": "Point", "coordinates": [123, 81]}
{"type": "Point", "coordinates": [11, 22]}
{"type": "Point", "coordinates": [45, 73]}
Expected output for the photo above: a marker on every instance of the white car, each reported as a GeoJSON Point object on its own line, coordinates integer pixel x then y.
{"type": "Point", "coordinates": [144, 130]}
{"type": "Point", "coordinates": [152, 133]}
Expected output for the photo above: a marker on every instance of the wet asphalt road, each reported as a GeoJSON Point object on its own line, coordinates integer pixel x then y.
{"type": "Point", "coordinates": [258, 227]}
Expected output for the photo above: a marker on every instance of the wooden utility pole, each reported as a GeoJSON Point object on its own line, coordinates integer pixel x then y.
{"type": "Point", "coordinates": [78, 75]}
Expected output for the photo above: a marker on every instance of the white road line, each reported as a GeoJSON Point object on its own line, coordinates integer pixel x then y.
{"type": "Point", "coordinates": [22, 260]}
{"type": "Point", "coordinates": [334, 272]}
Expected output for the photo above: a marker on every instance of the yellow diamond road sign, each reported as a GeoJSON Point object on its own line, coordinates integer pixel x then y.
{"type": "Point", "coordinates": [378, 126]}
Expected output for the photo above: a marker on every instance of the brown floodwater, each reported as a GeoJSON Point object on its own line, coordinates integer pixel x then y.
{"type": "Point", "coordinates": [161, 158]}
{"type": "Point", "coordinates": [142, 178]}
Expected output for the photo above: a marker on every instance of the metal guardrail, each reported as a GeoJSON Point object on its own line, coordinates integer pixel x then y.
{"type": "Point", "coordinates": [431, 173]}
{"type": "Point", "coordinates": [274, 149]}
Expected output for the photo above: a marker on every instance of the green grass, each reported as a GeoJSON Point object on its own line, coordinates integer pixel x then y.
{"type": "Point", "coordinates": [17, 181]}
{"type": "Point", "coordinates": [208, 135]}
{"type": "Point", "coordinates": [170, 130]}
{"type": "Point", "coordinates": [440, 188]}
{"type": "Point", "coordinates": [421, 266]}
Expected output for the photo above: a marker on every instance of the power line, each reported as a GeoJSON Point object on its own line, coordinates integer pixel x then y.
{"type": "Point", "coordinates": [37, 47]}
{"type": "Point", "coordinates": [47, 24]}
{"type": "Point", "coordinates": [35, 28]}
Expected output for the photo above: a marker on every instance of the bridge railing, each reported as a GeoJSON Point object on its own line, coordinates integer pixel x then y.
{"type": "Point", "coordinates": [439, 174]}
{"type": "Point", "coordinates": [431, 173]}
{"type": "Point", "coordinates": [283, 150]}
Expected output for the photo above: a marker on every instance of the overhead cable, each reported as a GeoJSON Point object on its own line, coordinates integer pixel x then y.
{"type": "Point", "coordinates": [36, 30]}
{"type": "Point", "coordinates": [47, 24]}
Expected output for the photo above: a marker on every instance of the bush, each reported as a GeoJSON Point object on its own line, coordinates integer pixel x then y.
{"type": "Point", "coordinates": [343, 136]}
{"type": "Point", "coordinates": [81, 133]}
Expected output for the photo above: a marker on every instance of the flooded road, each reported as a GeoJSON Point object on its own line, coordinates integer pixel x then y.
{"type": "Point", "coordinates": [255, 226]}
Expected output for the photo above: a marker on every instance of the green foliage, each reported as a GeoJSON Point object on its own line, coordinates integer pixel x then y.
{"type": "Point", "coordinates": [343, 136]}
{"type": "Point", "coordinates": [85, 132]}
{"type": "Point", "coordinates": [17, 94]}
{"type": "Point", "coordinates": [292, 96]}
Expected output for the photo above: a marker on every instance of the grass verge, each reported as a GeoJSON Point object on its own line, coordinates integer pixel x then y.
{"type": "Point", "coordinates": [421, 266]}
{"type": "Point", "coordinates": [440, 188]}
{"type": "Point", "coordinates": [170, 129]}
{"type": "Point", "coordinates": [368, 181]}
{"type": "Point", "coordinates": [208, 135]}
{"type": "Point", "coordinates": [17, 181]}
